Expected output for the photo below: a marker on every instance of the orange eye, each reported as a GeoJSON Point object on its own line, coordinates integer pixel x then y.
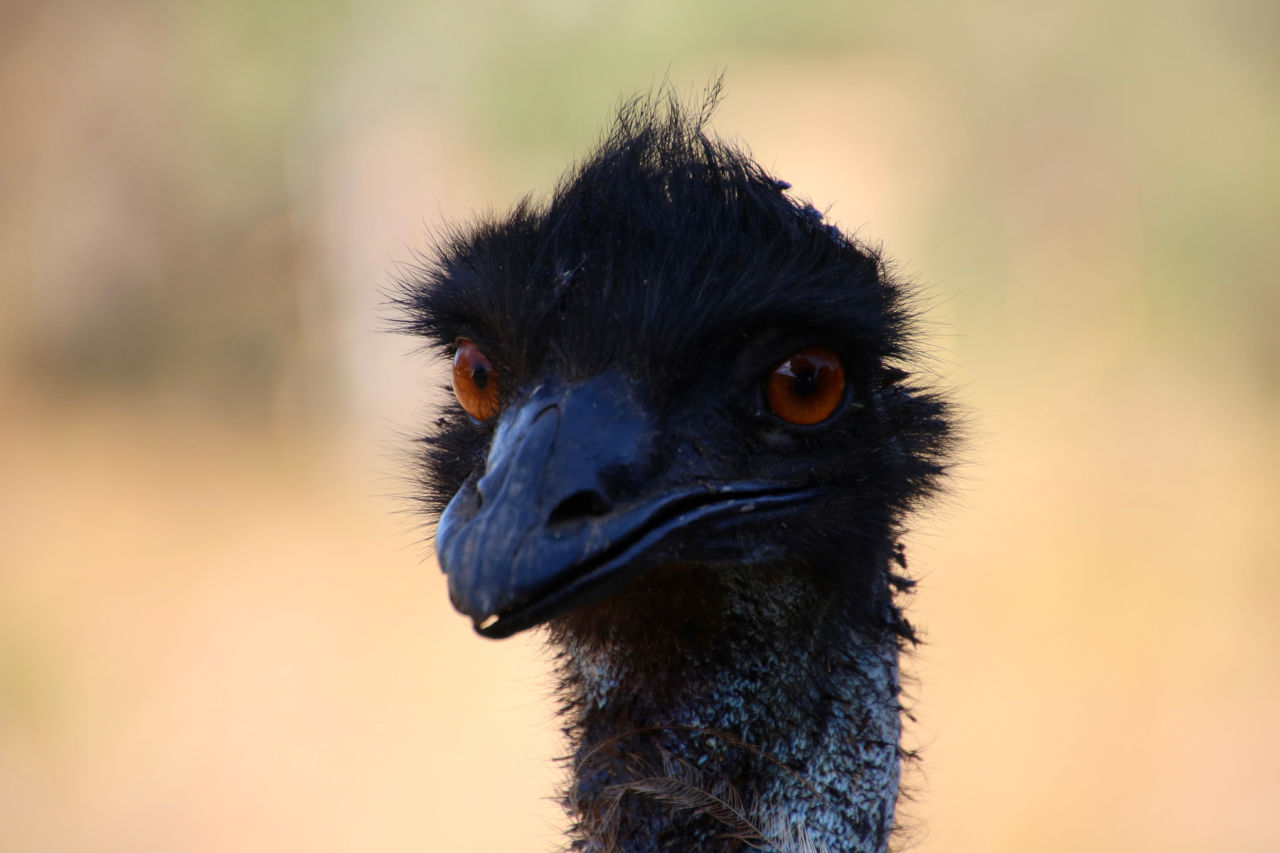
{"type": "Point", "coordinates": [807, 387]}
{"type": "Point", "coordinates": [474, 382]}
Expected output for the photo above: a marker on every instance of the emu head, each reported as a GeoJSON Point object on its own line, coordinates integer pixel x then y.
{"type": "Point", "coordinates": [670, 369]}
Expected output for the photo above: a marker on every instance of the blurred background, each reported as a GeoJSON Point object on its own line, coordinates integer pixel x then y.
{"type": "Point", "coordinates": [220, 625]}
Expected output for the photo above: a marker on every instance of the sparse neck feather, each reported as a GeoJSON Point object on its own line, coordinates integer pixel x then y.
{"type": "Point", "coordinates": [728, 711]}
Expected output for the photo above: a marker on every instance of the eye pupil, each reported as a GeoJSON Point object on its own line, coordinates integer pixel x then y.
{"type": "Point", "coordinates": [480, 376]}
{"type": "Point", "coordinates": [806, 382]}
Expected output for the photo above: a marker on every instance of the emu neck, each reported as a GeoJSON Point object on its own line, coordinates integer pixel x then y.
{"type": "Point", "coordinates": [728, 711]}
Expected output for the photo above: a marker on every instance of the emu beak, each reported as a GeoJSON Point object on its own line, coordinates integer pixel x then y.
{"type": "Point", "coordinates": [568, 510]}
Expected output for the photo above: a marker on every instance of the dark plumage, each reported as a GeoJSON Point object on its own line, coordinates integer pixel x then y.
{"type": "Point", "coordinates": [719, 581]}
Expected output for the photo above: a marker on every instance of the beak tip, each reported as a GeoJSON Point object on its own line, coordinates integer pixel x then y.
{"type": "Point", "coordinates": [480, 602]}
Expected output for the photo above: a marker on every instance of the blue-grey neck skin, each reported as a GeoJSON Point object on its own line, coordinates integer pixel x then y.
{"type": "Point", "coordinates": [771, 728]}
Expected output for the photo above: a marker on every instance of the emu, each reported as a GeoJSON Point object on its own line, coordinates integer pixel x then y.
{"type": "Point", "coordinates": [688, 424]}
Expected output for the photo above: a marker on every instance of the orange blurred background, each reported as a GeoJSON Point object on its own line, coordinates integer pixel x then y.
{"type": "Point", "coordinates": [220, 626]}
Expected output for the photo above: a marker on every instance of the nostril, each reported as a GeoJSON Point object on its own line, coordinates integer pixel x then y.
{"type": "Point", "coordinates": [579, 506]}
